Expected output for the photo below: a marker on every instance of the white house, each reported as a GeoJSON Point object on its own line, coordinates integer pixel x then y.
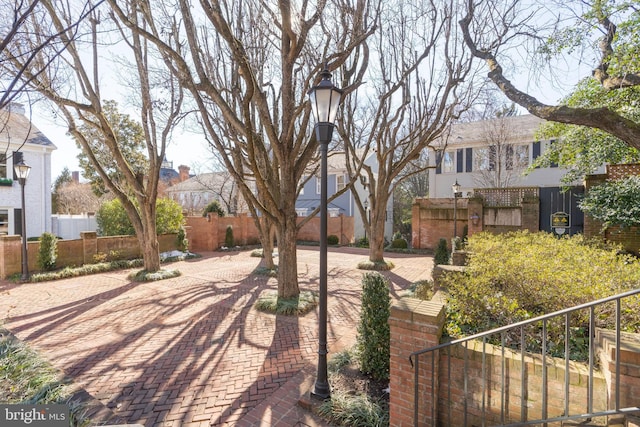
{"type": "Point", "coordinates": [21, 140]}
{"type": "Point", "coordinates": [195, 193]}
{"type": "Point", "coordinates": [496, 154]}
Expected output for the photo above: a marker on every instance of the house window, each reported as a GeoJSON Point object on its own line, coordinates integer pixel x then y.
{"type": "Point", "coordinates": [448, 162]}
{"type": "Point", "coordinates": [521, 156]}
{"type": "Point", "coordinates": [318, 185]}
{"type": "Point", "coordinates": [340, 182]}
{"type": "Point", "coordinates": [481, 159]}
{"type": "Point", "coordinates": [4, 221]}
{"type": "Point", "coordinates": [3, 166]}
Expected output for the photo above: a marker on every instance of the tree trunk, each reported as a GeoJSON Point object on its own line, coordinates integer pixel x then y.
{"type": "Point", "coordinates": [376, 239]}
{"type": "Point", "coordinates": [288, 258]}
{"type": "Point", "coordinates": [266, 238]}
{"type": "Point", "coordinates": [148, 238]}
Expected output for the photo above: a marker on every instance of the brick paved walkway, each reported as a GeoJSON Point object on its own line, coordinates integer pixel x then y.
{"type": "Point", "coordinates": [191, 351]}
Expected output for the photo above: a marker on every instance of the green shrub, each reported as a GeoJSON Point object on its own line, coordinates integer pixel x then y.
{"type": "Point", "coordinates": [228, 237]}
{"type": "Point", "coordinates": [362, 242]}
{"type": "Point", "coordinates": [113, 220]}
{"type": "Point", "coordinates": [399, 243]}
{"type": "Point", "coordinates": [48, 252]}
{"type": "Point", "coordinates": [442, 253]}
{"type": "Point", "coordinates": [521, 275]}
{"type": "Point", "coordinates": [214, 206]}
{"type": "Point", "coordinates": [182, 243]}
{"type": "Point", "coordinates": [373, 329]}
{"type": "Point", "coordinates": [332, 239]}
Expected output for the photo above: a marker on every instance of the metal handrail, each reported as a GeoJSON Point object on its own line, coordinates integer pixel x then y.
{"type": "Point", "coordinates": [544, 319]}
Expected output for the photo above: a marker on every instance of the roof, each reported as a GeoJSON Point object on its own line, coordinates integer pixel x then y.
{"type": "Point", "coordinates": [16, 128]}
{"type": "Point", "coordinates": [520, 127]}
{"type": "Point", "coordinates": [203, 182]}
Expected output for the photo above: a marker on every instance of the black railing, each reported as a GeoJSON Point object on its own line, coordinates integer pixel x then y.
{"type": "Point", "coordinates": [516, 339]}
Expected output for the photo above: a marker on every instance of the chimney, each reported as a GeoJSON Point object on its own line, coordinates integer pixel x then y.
{"type": "Point", "coordinates": [75, 176]}
{"type": "Point", "coordinates": [184, 172]}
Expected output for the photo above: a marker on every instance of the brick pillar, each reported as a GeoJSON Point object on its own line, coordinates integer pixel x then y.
{"type": "Point", "coordinates": [415, 325]}
{"type": "Point", "coordinates": [89, 246]}
{"type": "Point", "coordinates": [629, 366]}
{"type": "Point", "coordinates": [415, 224]}
{"type": "Point", "coordinates": [10, 255]}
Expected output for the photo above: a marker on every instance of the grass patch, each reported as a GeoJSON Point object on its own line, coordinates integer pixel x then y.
{"type": "Point", "coordinates": [85, 270]}
{"type": "Point", "coordinates": [376, 266]}
{"type": "Point", "coordinates": [356, 400]}
{"type": "Point", "coordinates": [100, 267]}
{"type": "Point", "coordinates": [28, 379]}
{"type": "Point", "coordinates": [152, 276]}
{"type": "Point", "coordinates": [264, 271]}
{"type": "Point", "coordinates": [297, 306]}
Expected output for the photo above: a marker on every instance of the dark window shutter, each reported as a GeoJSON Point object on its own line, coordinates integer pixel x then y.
{"type": "Point", "coordinates": [459, 160]}
{"type": "Point", "coordinates": [492, 157]}
{"type": "Point", "coordinates": [536, 150]}
{"type": "Point", "coordinates": [438, 162]}
{"type": "Point", "coordinates": [553, 164]}
{"type": "Point", "coordinates": [17, 222]}
{"type": "Point", "coordinates": [508, 161]}
{"type": "Point", "coordinates": [17, 158]}
{"type": "Point", "coordinates": [469, 160]}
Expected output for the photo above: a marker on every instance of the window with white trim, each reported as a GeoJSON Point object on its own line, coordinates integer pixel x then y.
{"type": "Point", "coordinates": [448, 162]}
{"type": "Point", "coordinates": [4, 170]}
{"type": "Point", "coordinates": [318, 185]}
{"type": "Point", "coordinates": [341, 182]}
{"type": "Point", "coordinates": [4, 221]}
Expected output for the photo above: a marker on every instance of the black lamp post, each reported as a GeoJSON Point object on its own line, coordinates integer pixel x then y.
{"type": "Point", "coordinates": [456, 194]}
{"type": "Point", "coordinates": [22, 172]}
{"type": "Point", "coordinates": [325, 99]}
{"type": "Point", "coordinates": [366, 215]}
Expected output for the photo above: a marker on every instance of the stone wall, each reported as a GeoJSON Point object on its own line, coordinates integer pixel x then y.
{"type": "Point", "coordinates": [208, 234]}
{"type": "Point", "coordinates": [434, 219]}
{"type": "Point", "coordinates": [75, 252]}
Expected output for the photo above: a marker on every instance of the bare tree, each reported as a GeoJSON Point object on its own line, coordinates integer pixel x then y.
{"type": "Point", "coordinates": [71, 80]}
{"type": "Point", "coordinates": [76, 198]}
{"type": "Point", "coordinates": [493, 30]}
{"type": "Point", "coordinates": [248, 65]}
{"type": "Point", "coordinates": [503, 161]}
{"type": "Point", "coordinates": [422, 81]}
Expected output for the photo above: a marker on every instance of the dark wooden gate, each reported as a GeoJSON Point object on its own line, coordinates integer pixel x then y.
{"type": "Point", "coordinates": [558, 204]}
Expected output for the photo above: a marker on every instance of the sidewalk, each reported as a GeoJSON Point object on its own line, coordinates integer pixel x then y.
{"type": "Point", "coordinates": [191, 351]}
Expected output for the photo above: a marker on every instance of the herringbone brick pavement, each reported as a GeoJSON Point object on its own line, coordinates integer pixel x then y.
{"type": "Point", "coordinates": [191, 351]}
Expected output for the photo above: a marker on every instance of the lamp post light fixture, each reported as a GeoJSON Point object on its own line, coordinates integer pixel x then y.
{"type": "Point", "coordinates": [325, 99]}
{"type": "Point", "coordinates": [456, 194]}
{"type": "Point", "coordinates": [22, 172]}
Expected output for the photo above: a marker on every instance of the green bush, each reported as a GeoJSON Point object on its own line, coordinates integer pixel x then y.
{"type": "Point", "coordinates": [113, 220]}
{"type": "Point", "coordinates": [48, 252]}
{"type": "Point", "coordinates": [332, 239]}
{"type": "Point", "coordinates": [399, 243]}
{"type": "Point", "coordinates": [362, 242]}
{"type": "Point", "coordinates": [228, 237]}
{"type": "Point", "coordinates": [442, 253]}
{"type": "Point", "coordinates": [521, 275]}
{"type": "Point", "coordinates": [214, 206]}
{"type": "Point", "coordinates": [373, 329]}
{"type": "Point", "coordinates": [182, 243]}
